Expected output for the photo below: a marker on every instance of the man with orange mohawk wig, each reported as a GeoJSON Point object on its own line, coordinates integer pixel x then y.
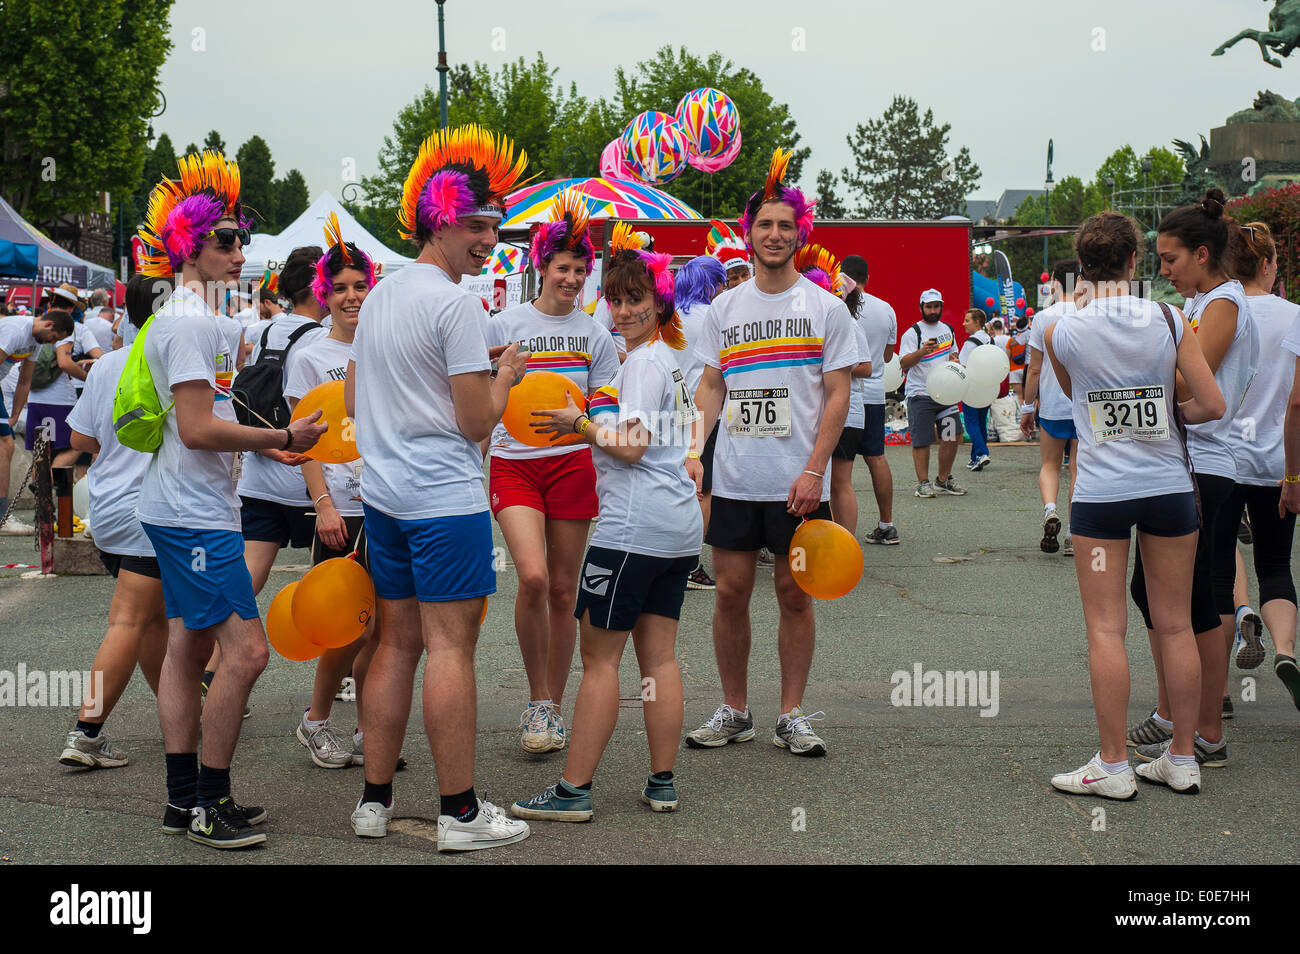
{"type": "Point", "coordinates": [188, 506]}
{"type": "Point", "coordinates": [544, 498]}
{"type": "Point", "coordinates": [778, 354]}
{"type": "Point", "coordinates": [421, 388]}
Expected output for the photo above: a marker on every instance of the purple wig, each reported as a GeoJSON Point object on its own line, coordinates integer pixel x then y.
{"type": "Point", "coordinates": [445, 199]}
{"type": "Point", "coordinates": [697, 280]}
{"type": "Point", "coordinates": [187, 224]}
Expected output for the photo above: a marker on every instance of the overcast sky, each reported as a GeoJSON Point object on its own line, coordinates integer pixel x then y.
{"type": "Point", "coordinates": [322, 81]}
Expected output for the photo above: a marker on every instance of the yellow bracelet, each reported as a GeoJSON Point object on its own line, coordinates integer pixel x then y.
{"type": "Point", "coordinates": [692, 455]}
{"type": "Point", "coordinates": [1292, 478]}
{"type": "Point", "coordinates": [582, 428]}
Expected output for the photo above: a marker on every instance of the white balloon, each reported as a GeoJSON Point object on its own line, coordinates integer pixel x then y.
{"type": "Point", "coordinates": [947, 383]}
{"type": "Point", "coordinates": [893, 374]}
{"type": "Point", "coordinates": [981, 394]}
{"type": "Point", "coordinates": [988, 364]}
{"type": "Point", "coordinates": [81, 498]}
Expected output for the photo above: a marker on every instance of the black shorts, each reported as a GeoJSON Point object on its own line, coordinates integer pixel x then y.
{"type": "Point", "coordinates": [706, 458]}
{"type": "Point", "coordinates": [873, 434]}
{"type": "Point", "coordinates": [746, 525]}
{"type": "Point", "coordinates": [850, 440]}
{"type": "Point", "coordinates": [1168, 515]}
{"type": "Point", "coordinates": [141, 565]}
{"type": "Point", "coordinates": [356, 538]}
{"type": "Point", "coordinates": [289, 526]}
{"type": "Point", "coordinates": [617, 588]}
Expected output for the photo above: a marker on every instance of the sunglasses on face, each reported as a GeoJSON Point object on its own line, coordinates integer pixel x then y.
{"type": "Point", "coordinates": [226, 237]}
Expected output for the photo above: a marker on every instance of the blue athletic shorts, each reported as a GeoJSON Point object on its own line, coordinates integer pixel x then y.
{"type": "Point", "coordinates": [873, 434]}
{"type": "Point", "coordinates": [435, 560]}
{"type": "Point", "coordinates": [204, 577]}
{"type": "Point", "coordinates": [617, 588]}
{"type": "Point", "coordinates": [5, 429]}
{"type": "Point", "coordinates": [1061, 430]}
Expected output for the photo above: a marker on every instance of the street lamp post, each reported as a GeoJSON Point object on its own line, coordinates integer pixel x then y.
{"type": "Point", "coordinates": [1047, 200]}
{"type": "Point", "coordinates": [442, 67]}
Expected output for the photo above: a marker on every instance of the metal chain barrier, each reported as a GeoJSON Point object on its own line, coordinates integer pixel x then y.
{"type": "Point", "coordinates": [36, 456]}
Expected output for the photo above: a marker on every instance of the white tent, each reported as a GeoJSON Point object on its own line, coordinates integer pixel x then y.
{"type": "Point", "coordinates": [270, 251]}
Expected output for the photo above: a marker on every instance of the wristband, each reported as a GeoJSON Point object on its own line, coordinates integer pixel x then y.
{"type": "Point", "coordinates": [317, 501]}
{"type": "Point", "coordinates": [577, 423]}
{"type": "Point", "coordinates": [288, 439]}
{"type": "Point", "coordinates": [692, 455]}
{"type": "Point", "coordinates": [586, 423]}
{"type": "Point", "coordinates": [1026, 409]}
{"type": "Point", "coordinates": [815, 474]}
{"type": "Point", "coordinates": [1292, 478]}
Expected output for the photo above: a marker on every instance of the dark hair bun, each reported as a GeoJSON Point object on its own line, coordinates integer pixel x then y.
{"type": "Point", "coordinates": [1213, 203]}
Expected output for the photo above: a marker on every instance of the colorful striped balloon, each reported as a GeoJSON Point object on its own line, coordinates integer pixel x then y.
{"type": "Point", "coordinates": [710, 120]}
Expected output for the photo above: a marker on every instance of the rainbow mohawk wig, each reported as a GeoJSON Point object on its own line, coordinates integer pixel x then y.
{"type": "Point", "coordinates": [821, 268]}
{"type": "Point", "coordinates": [183, 211]}
{"type": "Point", "coordinates": [270, 283]}
{"type": "Point", "coordinates": [775, 190]}
{"type": "Point", "coordinates": [626, 247]}
{"type": "Point", "coordinates": [725, 245]}
{"type": "Point", "coordinates": [338, 256]}
{"type": "Point", "coordinates": [458, 173]}
{"type": "Point", "coordinates": [565, 232]}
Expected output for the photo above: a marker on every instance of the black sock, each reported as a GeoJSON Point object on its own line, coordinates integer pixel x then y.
{"type": "Point", "coordinates": [462, 807]}
{"type": "Point", "coordinates": [182, 778]}
{"type": "Point", "coordinates": [207, 676]}
{"type": "Point", "coordinates": [213, 785]}
{"type": "Point", "coordinates": [383, 794]}
{"type": "Point", "coordinates": [662, 776]}
{"type": "Point", "coordinates": [89, 729]}
{"type": "Point", "coordinates": [569, 790]}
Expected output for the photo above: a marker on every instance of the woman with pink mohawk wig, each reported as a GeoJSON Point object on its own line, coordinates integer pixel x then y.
{"type": "Point", "coordinates": [544, 498]}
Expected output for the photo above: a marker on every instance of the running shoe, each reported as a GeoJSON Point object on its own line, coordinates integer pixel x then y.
{"type": "Point", "coordinates": [1226, 711]}
{"type": "Point", "coordinates": [1186, 780]}
{"type": "Point", "coordinates": [13, 527]}
{"type": "Point", "coordinates": [359, 753]}
{"type": "Point", "coordinates": [699, 580]}
{"type": "Point", "coordinates": [176, 821]}
{"type": "Point", "coordinates": [535, 723]}
{"type": "Point", "coordinates": [370, 819]}
{"type": "Point", "coordinates": [550, 805]}
{"type": "Point", "coordinates": [1244, 531]}
{"type": "Point", "coordinates": [83, 751]}
{"type": "Point", "coordinates": [661, 796]}
{"type": "Point", "coordinates": [725, 725]}
{"type": "Point", "coordinates": [559, 733]}
{"type": "Point", "coordinates": [794, 732]}
{"type": "Point", "coordinates": [980, 462]}
{"type": "Point", "coordinates": [924, 489]}
{"type": "Point", "coordinates": [1067, 548]}
{"type": "Point", "coordinates": [887, 537]}
{"type": "Point", "coordinates": [1210, 756]}
{"type": "Point", "coordinates": [491, 828]}
{"type": "Point", "coordinates": [324, 744]}
{"type": "Point", "coordinates": [1092, 779]}
{"type": "Point", "coordinates": [1289, 673]}
{"type": "Point", "coordinates": [1251, 651]}
{"type": "Point", "coordinates": [223, 825]}
{"type": "Point", "coordinates": [949, 486]}
{"type": "Point", "coordinates": [766, 557]}
{"type": "Point", "coordinates": [347, 690]}
{"type": "Point", "coordinates": [1051, 527]}
{"type": "Point", "coordinates": [1148, 732]}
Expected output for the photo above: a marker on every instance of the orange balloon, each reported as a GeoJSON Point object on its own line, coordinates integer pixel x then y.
{"type": "Point", "coordinates": [334, 602]}
{"type": "Point", "coordinates": [539, 391]}
{"type": "Point", "coordinates": [338, 445]}
{"type": "Point", "coordinates": [825, 560]}
{"type": "Point", "coordinates": [284, 635]}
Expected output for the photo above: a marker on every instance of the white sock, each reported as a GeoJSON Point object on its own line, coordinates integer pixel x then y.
{"type": "Point", "coordinates": [314, 723]}
{"type": "Point", "coordinates": [1162, 721]}
{"type": "Point", "coordinates": [357, 736]}
{"type": "Point", "coordinates": [1188, 761]}
{"type": "Point", "coordinates": [1048, 510]}
{"type": "Point", "coordinates": [539, 702]}
{"type": "Point", "coordinates": [885, 526]}
{"type": "Point", "coordinates": [1112, 768]}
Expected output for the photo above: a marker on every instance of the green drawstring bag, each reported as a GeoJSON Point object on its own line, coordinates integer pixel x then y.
{"type": "Point", "coordinates": [138, 416]}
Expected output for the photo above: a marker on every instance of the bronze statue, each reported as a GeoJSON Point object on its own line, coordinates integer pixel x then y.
{"type": "Point", "coordinates": [1282, 37]}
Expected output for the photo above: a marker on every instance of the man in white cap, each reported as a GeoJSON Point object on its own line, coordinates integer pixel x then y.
{"type": "Point", "coordinates": [921, 349]}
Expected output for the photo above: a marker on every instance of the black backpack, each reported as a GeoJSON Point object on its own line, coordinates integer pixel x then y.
{"type": "Point", "coordinates": [258, 389]}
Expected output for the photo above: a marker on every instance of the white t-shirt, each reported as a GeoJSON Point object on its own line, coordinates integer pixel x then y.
{"type": "Point", "coordinates": [1209, 444]}
{"type": "Point", "coordinates": [773, 351]}
{"type": "Point", "coordinates": [692, 366]}
{"type": "Point", "coordinates": [648, 507]}
{"type": "Point", "coordinates": [315, 362]}
{"type": "Point", "coordinates": [881, 325]}
{"type": "Point", "coordinates": [115, 477]}
{"type": "Point", "coordinates": [1053, 404]}
{"type": "Point", "coordinates": [187, 488]}
{"type": "Point", "coordinates": [980, 337]}
{"type": "Point", "coordinates": [857, 416]}
{"type": "Point", "coordinates": [606, 321]}
{"type": "Point", "coordinates": [1118, 344]}
{"type": "Point", "coordinates": [908, 342]}
{"type": "Point", "coordinates": [62, 390]}
{"type": "Point", "coordinates": [16, 341]}
{"type": "Point", "coordinates": [574, 345]}
{"type": "Point", "coordinates": [263, 478]}
{"type": "Point", "coordinates": [416, 330]}
{"type": "Point", "coordinates": [1256, 434]}
{"type": "Point", "coordinates": [101, 329]}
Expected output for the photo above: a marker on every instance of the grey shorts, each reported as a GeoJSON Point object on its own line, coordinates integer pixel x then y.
{"type": "Point", "coordinates": [925, 421]}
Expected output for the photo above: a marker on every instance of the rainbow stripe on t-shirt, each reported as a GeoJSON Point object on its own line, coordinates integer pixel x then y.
{"type": "Point", "coordinates": [603, 400]}
{"type": "Point", "coordinates": [560, 361]}
{"type": "Point", "coordinates": [771, 353]}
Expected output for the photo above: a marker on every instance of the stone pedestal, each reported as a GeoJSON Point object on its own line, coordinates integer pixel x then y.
{"type": "Point", "coordinates": [77, 556]}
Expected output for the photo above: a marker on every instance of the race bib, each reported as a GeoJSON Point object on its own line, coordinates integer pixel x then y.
{"type": "Point", "coordinates": [1136, 413]}
{"type": "Point", "coordinates": [687, 413]}
{"type": "Point", "coordinates": [759, 412]}
{"type": "Point", "coordinates": [354, 480]}
{"type": "Point", "coordinates": [237, 466]}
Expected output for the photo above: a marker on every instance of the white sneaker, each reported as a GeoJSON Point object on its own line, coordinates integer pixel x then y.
{"type": "Point", "coordinates": [370, 820]}
{"type": "Point", "coordinates": [491, 828]}
{"type": "Point", "coordinates": [1092, 779]}
{"type": "Point", "coordinates": [13, 527]}
{"type": "Point", "coordinates": [1184, 779]}
{"type": "Point", "coordinates": [324, 744]}
{"type": "Point", "coordinates": [559, 732]}
{"type": "Point", "coordinates": [536, 726]}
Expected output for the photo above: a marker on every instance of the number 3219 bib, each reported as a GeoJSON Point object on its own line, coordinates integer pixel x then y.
{"type": "Point", "coordinates": [1136, 413]}
{"type": "Point", "coordinates": [759, 412]}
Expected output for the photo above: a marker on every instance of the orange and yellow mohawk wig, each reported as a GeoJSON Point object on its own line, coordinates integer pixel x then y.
{"type": "Point", "coordinates": [458, 173]}
{"type": "Point", "coordinates": [627, 247]}
{"type": "Point", "coordinates": [820, 267]}
{"type": "Point", "coordinates": [775, 190]}
{"type": "Point", "coordinates": [183, 211]}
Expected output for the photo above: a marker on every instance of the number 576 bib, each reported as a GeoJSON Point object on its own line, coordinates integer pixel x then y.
{"type": "Point", "coordinates": [1136, 413]}
{"type": "Point", "coordinates": [759, 412]}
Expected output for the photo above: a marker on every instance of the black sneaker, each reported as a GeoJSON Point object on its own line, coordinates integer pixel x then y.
{"type": "Point", "coordinates": [1227, 707]}
{"type": "Point", "coordinates": [1244, 532]}
{"type": "Point", "coordinates": [223, 826]}
{"type": "Point", "coordinates": [176, 821]}
{"type": "Point", "coordinates": [887, 537]}
{"type": "Point", "coordinates": [1289, 673]}
{"type": "Point", "coordinates": [699, 580]}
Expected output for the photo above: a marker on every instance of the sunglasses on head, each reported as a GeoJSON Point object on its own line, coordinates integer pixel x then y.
{"type": "Point", "coordinates": [226, 237]}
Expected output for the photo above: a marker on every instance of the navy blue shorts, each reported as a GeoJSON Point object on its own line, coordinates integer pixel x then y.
{"type": "Point", "coordinates": [1061, 430]}
{"type": "Point", "coordinates": [273, 522]}
{"type": "Point", "coordinates": [204, 576]}
{"type": "Point", "coordinates": [706, 460]}
{"type": "Point", "coordinates": [873, 432]}
{"type": "Point", "coordinates": [847, 447]}
{"type": "Point", "coordinates": [5, 429]}
{"type": "Point", "coordinates": [1168, 515]}
{"type": "Point", "coordinates": [436, 560]}
{"type": "Point", "coordinates": [616, 588]}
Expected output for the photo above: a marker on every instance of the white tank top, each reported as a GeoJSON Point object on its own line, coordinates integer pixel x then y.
{"type": "Point", "coordinates": [1210, 443]}
{"type": "Point", "coordinates": [1256, 435]}
{"type": "Point", "coordinates": [1112, 347]}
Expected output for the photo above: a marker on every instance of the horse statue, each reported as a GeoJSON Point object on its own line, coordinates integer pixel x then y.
{"type": "Point", "coordinates": [1282, 36]}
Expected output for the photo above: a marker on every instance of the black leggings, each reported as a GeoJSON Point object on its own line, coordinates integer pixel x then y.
{"type": "Point", "coordinates": [1272, 546]}
{"type": "Point", "coordinates": [1215, 492]}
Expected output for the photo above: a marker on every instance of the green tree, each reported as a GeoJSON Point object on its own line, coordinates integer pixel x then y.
{"type": "Point", "coordinates": [77, 88]}
{"type": "Point", "coordinates": [159, 164]}
{"type": "Point", "coordinates": [291, 198]}
{"type": "Point", "coordinates": [256, 189]}
{"type": "Point", "coordinates": [903, 167]}
{"type": "Point", "coordinates": [214, 141]}
{"type": "Point", "coordinates": [829, 204]}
